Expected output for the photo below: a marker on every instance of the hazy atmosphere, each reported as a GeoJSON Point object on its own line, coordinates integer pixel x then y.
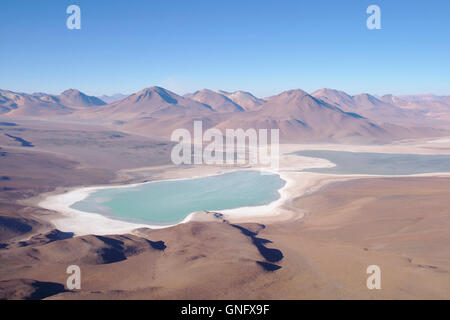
{"type": "Point", "coordinates": [209, 152]}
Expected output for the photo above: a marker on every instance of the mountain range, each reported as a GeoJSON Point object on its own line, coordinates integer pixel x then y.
{"type": "Point", "coordinates": [388, 108]}
{"type": "Point", "coordinates": [324, 115]}
{"type": "Point", "coordinates": [42, 104]}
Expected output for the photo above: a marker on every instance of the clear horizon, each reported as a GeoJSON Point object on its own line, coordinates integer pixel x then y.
{"type": "Point", "coordinates": [182, 94]}
{"type": "Point", "coordinates": [261, 47]}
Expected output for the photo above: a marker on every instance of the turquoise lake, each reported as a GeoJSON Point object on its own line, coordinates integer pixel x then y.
{"type": "Point", "coordinates": [169, 202]}
{"type": "Point", "coordinates": [378, 163]}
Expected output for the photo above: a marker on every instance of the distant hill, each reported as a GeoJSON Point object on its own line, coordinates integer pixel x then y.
{"type": "Point", "coordinates": [299, 116]}
{"type": "Point", "coordinates": [112, 98]}
{"type": "Point", "coordinates": [151, 102]}
{"type": "Point", "coordinates": [429, 105]}
{"type": "Point", "coordinates": [245, 99]}
{"type": "Point", "coordinates": [302, 117]}
{"type": "Point", "coordinates": [26, 105]}
{"type": "Point", "coordinates": [384, 109]}
{"type": "Point", "coordinates": [76, 98]}
{"type": "Point", "coordinates": [216, 101]}
{"type": "Point", "coordinates": [42, 104]}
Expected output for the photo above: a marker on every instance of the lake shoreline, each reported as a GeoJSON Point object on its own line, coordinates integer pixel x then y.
{"type": "Point", "coordinates": [79, 221]}
{"type": "Point", "coordinates": [84, 223]}
{"type": "Point", "coordinates": [292, 170]}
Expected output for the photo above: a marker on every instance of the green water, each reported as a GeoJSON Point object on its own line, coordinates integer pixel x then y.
{"type": "Point", "coordinates": [169, 202]}
{"type": "Point", "coordinates": [379, 163]}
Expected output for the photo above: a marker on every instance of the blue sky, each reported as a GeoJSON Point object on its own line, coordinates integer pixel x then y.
{"type": "Point", "coordinates": [260, 46]}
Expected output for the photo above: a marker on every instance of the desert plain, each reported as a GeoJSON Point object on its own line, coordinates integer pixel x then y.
{"type": "Point", "coordinates": [315, 242]}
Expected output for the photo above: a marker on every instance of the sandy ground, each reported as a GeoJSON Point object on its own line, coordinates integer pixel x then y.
{"type": "Point", "coordinates": [328, 228]}
{"type": "Point", "coordinates": [399, 224]}
{"type": "Point", "coordinates": [297, 184]}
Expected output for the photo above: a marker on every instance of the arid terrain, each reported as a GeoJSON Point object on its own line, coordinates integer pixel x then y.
{"type": "Point", "coordinates": [399, 224]}
{"type": "Point", "coordinates": [337, 228]}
